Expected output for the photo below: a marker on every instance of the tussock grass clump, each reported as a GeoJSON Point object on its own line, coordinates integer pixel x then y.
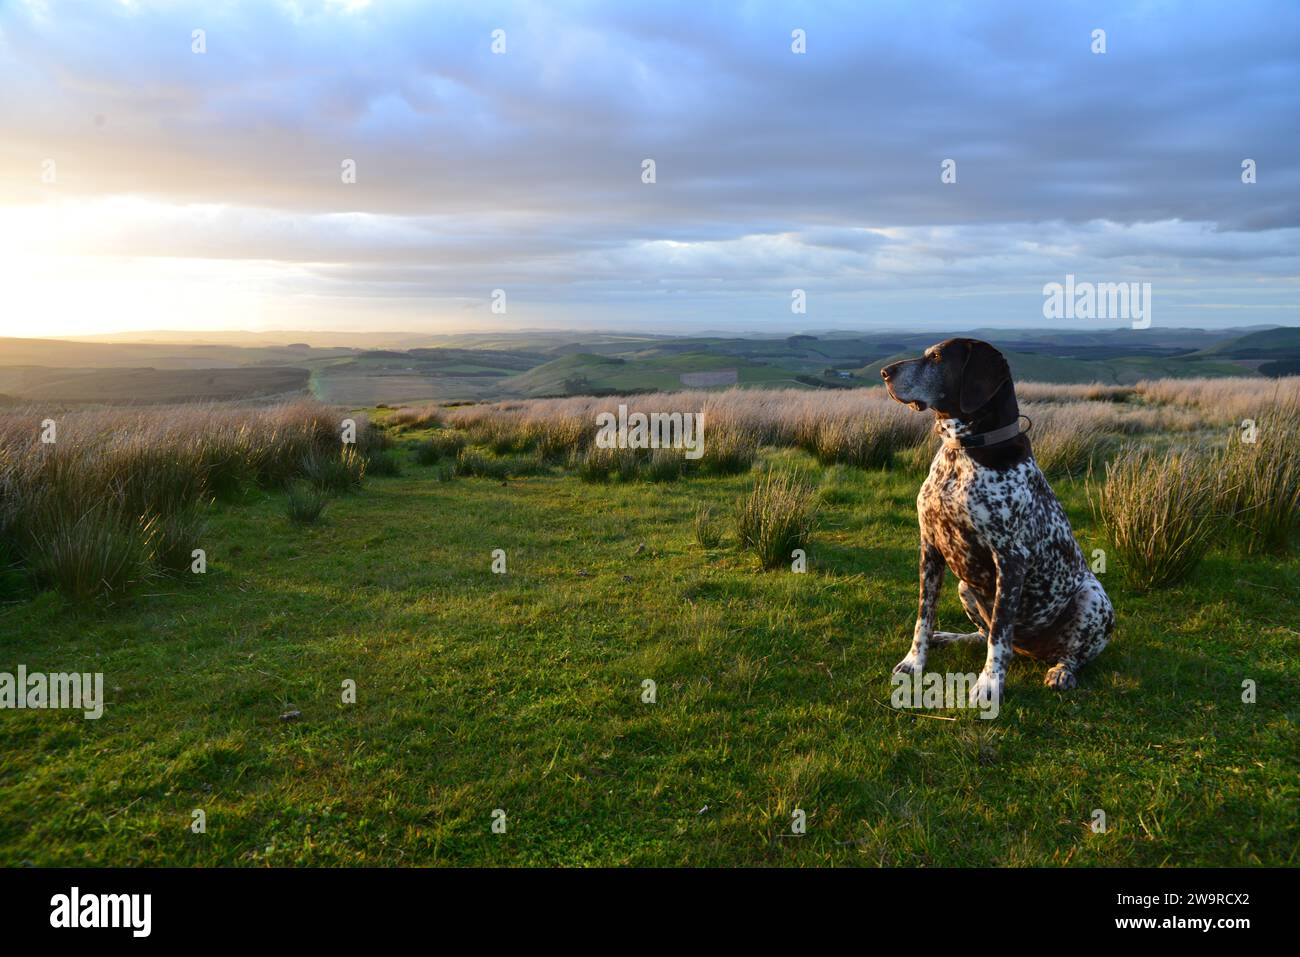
{"type": "Point", "coordinates": [1260, 482]}
{"type": "Point", "coordinates": [95, 553]}
{"type": "Point", "coordinates": [664, 465]}
{"type": "Point", "coordinates": [170, 539]}
{"type": "Point", "coordinates": [555, 439]}
{"type": "Point", "coordinates": [520, 466]}
{"type": "Point", "coordinates": [162, 478]}
{"type": "Point", "coordinates": [385, 464]}
{"type": "Point", "coordinates": [839, 441]}
{"type": "Point", "coordinates": [728, 451]}
{"type": "Point", "coordinates": [501, 436]}
{"type": "Point", "coordinates": [1158, 511]}
{"type": "Point", "coordinates": [594, 465]}
{"type": "Point", "coordinates": [708, 533]}
{"type": "Point", "coordinates": [304, 502]}
{"type": "Point", "coordinates": [342, 471]}
{"type": "Point", "coordinates": [230, 472]}
{"type": "Point", "coordinates": [627, 463]}
{"type": "Point", "coordinates": [423, 417]}
{"type": "Point", "coordinates": [444, 444]}
{"type": "Point", "coordinates": [372, 440]}
{"type": "Point", "coordinates": [472, 463]}
{"type": "Point", "coordinates": [776, 517]}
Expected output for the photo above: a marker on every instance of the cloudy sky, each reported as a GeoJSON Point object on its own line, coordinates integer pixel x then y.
{"type": "Point", "coordinates": [144, 185]}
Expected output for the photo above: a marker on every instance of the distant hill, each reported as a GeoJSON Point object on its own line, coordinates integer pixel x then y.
{"type": "Point", "coordinates": [1266, 344]}
{"type": "Point", "coordinates": [63, 353]}
{"type": "Point", "coordinates": [397, 368]}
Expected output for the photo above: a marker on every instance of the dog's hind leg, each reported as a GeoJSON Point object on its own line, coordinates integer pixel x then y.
{"type": "Point", "coordinates": [1084, 636]}
{"type": "Point", "coordinates": [975, 612]}
{"type": "Point", "coordinates": [958, 638]}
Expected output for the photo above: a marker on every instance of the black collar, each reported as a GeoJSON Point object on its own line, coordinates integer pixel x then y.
{"type": "Point", "coordinates": [984, 439]}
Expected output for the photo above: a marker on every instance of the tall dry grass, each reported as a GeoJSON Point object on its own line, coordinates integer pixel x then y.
{"type": "Point", "coordinates": [1222, 401]}
{"type": "Point", "coordinates": [1076, 430]}
{"type": "Point", "coordinates": [855, 426]}
{"type": "Point", "coordinates": [1259, 480]}
{"type": "Point", "coordinates": [117, 496]}
{"type": "Point", "coordinates": [1062, 392]}
{"type": "Point", "coordinates": [776, 517]}
{"type": "Point", "coordinates": [1074, 425]}
{"type": "Point", "coordinates": [1069, 438]}
{"type": "Point", "coordinates": [1157, 510]}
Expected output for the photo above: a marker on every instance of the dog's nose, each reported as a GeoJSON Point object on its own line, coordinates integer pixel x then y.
{"type": "Point", "coordinates": [886, 372]}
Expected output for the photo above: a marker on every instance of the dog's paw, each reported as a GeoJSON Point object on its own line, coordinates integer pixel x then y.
{"type": "Point", "coordinates": [1061, 678]}
{"type": "Point", "coordinates": [987, 688]}
{"type": "Point", "coordinates": [911, 665]}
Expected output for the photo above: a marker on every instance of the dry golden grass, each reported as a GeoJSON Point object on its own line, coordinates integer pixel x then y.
{"type": "Point", "coordinates": [776, 517]}
{"type": "Point", "coordinates": [1258, 475]}
{"type": "Point", "coordinates": [1074, 427]}
{"type": "Point", "coordinates": [1061, 392]}
{"type": "Point", "coordinates": [1158, 514]}
{"type": "Point", "coordinates": [114, 498]}
{"type": "Point", "coordinates": [1223, 401]}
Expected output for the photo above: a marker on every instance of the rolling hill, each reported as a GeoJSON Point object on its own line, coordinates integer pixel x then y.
{"type": "Point", "coordinates": [394, 368]}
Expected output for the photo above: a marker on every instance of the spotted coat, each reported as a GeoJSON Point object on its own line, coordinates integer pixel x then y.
{"type": "Point", "coordinates": [992, 518]}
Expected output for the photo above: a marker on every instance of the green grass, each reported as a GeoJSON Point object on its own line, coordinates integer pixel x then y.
{"type": "Point", "coordinates": [522, 691]}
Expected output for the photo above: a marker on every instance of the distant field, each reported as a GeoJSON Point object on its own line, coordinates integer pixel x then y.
{"type": "Point", "coordinates": [132, 386]}
{"type": "Point", "coordinates": [577, 374]}
{"type": "Point", "coordinates": [441, 374]}
{"type": "Point", "coordinates": [362, 388]}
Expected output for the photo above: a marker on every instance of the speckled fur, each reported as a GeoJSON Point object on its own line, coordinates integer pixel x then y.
{"type": "Point", "coordinates": [990, 516]}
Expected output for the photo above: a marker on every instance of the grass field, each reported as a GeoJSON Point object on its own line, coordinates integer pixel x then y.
{"type": "Point", "coordinates": [523, 692]}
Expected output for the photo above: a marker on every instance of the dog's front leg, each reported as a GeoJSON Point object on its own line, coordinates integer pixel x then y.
{"type": "Point", "coordinates": [932, 568]}
{"type": "Point", "coordinates": [1011, 569]}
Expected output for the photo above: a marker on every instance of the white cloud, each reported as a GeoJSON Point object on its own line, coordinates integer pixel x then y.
{"type": "Point", "coordinates": [820, 170]}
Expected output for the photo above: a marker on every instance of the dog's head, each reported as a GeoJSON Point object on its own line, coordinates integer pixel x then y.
{"type": "Point", "coordinates": [955, 377]}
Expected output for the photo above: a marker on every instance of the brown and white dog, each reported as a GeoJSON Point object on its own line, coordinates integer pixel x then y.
{"type": "Point", "coordinates": [987, 512]}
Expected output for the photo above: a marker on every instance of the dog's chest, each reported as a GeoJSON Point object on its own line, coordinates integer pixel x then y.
{"type": "Point", "coordinates": [968, 511]}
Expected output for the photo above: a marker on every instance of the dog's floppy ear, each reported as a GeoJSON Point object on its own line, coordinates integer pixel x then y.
{"type": "Point", "coordinates": [984, 373]}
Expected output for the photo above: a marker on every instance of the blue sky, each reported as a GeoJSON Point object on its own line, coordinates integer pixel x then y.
{"type": "Point", "coordinates": [204, 190]}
